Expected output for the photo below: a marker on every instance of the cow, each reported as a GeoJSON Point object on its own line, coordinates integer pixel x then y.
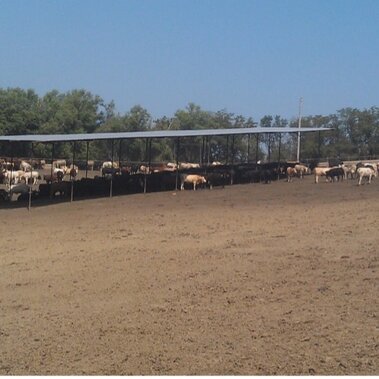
{"type": "Point", "coordinates": [56, 177]}
{"type": "Point", "coordinates": [32, 176]}
{"type": "Point", "coordinates": [109, 164]}
{"type": "Point", "coordinates": [291, 172]}
{"type": "Point", "coordinates": [186, 166]}
{"type": "Point", "coordinates": [12, 177]}
{"type": "Point", "coordinates": [335, 172]}
{"type": "Point", "coordinates": [63, 188]}
{"type": "Point", "coordinates": [25, 166]}
{"type": "Point", "coordinates": [320, 171]}
{"type": "Point", "coordinates": [349, 170]}
{"type": "Point", "coordinates": [301, 170]}
{"type": "Point", "coordinates": [172, 166]}
{"type": "Point", "coordinates": [59, 163]}
{"type": "Point", "coordinates": [195, 180]}
{"type": "Point", "coordinates": [365, 172]}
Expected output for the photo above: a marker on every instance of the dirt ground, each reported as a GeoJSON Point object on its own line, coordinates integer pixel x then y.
{"type": "Point", "coordinates": [276, 279]}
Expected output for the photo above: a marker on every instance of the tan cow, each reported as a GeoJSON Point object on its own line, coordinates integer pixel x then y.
{"type": "Point", "coordinates": [320, 171]}
{"type": "Point", "coordinates": [195, 180]}
{"type": "Point", "coordinates": [291, 172]}
{"type": "Point", "coordinates": [301, 170]}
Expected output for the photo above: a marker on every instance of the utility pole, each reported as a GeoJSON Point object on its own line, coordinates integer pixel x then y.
{"type": "Point", "coordinates": [298, 133]}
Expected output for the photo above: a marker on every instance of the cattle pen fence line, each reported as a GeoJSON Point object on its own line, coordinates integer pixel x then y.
{"type": "Point", "coordinates": [57, 185]}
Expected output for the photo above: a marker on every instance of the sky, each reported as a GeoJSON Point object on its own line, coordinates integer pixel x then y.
{"type": "Point", "coordinates": [248, 57]}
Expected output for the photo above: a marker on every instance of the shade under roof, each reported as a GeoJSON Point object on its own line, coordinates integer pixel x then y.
{"type": "Point", "coordinates": [152, 134]}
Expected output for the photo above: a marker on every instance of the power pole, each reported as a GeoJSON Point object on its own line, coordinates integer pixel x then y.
{"type": "Point", "coordinates": [298, 133]}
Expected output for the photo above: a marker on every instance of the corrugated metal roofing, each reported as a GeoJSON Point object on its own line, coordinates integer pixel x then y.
{"type": "Point", "coordinates": [151, 134]}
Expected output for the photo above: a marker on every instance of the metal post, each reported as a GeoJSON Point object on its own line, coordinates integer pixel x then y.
{"type": "Point", "coordinates": [111, 184]}
{"type": "Point", "coordinates": [119, 155]}
{"type": "Point", "coordinates": [257, 149]}
{"type": "Point", "coordinates": [208, 150]}
{"type": "Point", "coordinates": [319, 144]}
{"type": "Point", "coordinates": [232, 149]}
{"type": "Point", "coordinates": [279, 148]}
{"type": "Point", "coordinates": [146, 159]}
{"type": "Point", "coordinates": [298, 133]}
{"type": "Point", "coordinates": [269, 148]}
{"type": "Point", "coordinates": [87, 159]}
{"type": "Point", "coordinates": [71, 176]}
{"type": "Point", "coordinates": [227, 149]}
{"type": "Point", "coordinates": [31, 182]}
{"type": "Point", "coordinates": [202, 154]}
{"type": "Point", "coordinates": [248, 148]}
{"type": "Point", "coordinates": [177, 162]}
{"type": "Point", "coordinates": [52, 170]}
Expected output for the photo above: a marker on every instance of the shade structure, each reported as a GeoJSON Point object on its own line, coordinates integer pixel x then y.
{"type": "Point", "coordinates": [45, 138]}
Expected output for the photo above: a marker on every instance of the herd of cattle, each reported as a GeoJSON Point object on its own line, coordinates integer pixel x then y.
{"type": "Point", "coordinates": [61, 177]}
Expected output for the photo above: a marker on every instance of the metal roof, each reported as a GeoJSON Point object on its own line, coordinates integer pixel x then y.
{"type": "Point", "coordinates": [152, 134]}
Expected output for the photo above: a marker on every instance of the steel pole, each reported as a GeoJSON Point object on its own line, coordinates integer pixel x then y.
{"type": "Point", "coordinates": [298, 133]}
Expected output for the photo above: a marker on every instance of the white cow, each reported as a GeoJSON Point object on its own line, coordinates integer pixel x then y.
{"type": "Point", "coordinates": [192, 179]}
{"type": "Point", "coordinates": [25, 166]}
{"type": "Point", "coordinates": [365, 172]}
{"type": "Point", "coordinates": [33, 175]}
{"type": "Point", "coordinates": [185, 166]}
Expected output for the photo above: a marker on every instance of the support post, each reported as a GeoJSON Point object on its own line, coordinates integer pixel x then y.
{"type": "Point", "coordinates": [279, 157]}
{"type": "Point", "coordinates": [248, 148]}
{"type": "Point", "coordinates": [146, 166]}
{"type": "Point", "coordinates": [119, 155]}
{"type": "Point", "coordinates": [71, 176]}
{"type": "Point", "coordinates": [52, 170]}
{"type": "Point", "coordinates": [177, 163]}
{"type": "Point", "coordinates": [257, 149]}
{"type": "Point", "coordinates": [298, 133]}
{"type": "Point", "coordinates": [208, 150]}
{"type": "Point", "coordinates": [269, 148]}
{"type": "Point", "coordinates": [227, 150]}
{"type": "Point", "coordinates": [202, 154]}
{"type": "Point", "coordinates": [112, 171]}
{"type": "Point", "coordinates": [31, 180]}
{"type": "Point", "coordinates": [87, 155]}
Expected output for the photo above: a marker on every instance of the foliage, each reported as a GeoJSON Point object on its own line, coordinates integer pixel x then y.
{"type": "Point", "coordinates": [355, 132]}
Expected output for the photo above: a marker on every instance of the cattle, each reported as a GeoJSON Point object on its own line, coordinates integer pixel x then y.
{"type": "Point", "coordinates": [320, 171]}
{"type": "Point", "coordinates": [12, 177]}
{"type": "Point", "coordinates": [266, 175]}
{"type": "Point", "coordinates": [365, 172]}
{"type": "Point", "coordinates": [144, 169]}
{"type": "Point", "coordinates": [186, 166]}
{"type": "Point", "coordinates": [61, 188]}
{"type": "Point", "coordinates": [349, 170]}
{"type": "Point", "coordinates": [109, 164]}
{"type": "Point", "coordinates": [19, 188]}
{"type": "Point", "coordinates": [301, 170]}
{"type": "Point", "coordinates": [59, 163]}
{"type": "Point", "coordinates": [291, 172]}
{"type": "Point", "coordinates": [335, 173]}
{"type": "Point", "coordinates": [216, 163]}
{"type": "Point", "coordinates": [195, 180]}
{"type": "Point", "coordinates": [32, 176]}
{"type": "Point", "coordinates": [172, 166]}
{"type": "Point", "coordinates": [56, 177]}
{"type": "Point", "coordinates": [25, 166]}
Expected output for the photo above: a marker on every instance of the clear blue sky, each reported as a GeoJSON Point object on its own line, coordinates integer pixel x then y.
{"type": "Point", "coordinates": [248, 57]}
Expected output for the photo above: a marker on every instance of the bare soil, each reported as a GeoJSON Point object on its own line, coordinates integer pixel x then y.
{"type": "Point", "coordinates": [276, 279]}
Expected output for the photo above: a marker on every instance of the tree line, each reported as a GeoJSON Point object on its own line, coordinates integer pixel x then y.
{"type": "Point", "coordinates": [355, 133]}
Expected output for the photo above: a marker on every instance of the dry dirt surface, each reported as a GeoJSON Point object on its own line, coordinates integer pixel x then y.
{"type": "Point", "coordinates": [277, 279]}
